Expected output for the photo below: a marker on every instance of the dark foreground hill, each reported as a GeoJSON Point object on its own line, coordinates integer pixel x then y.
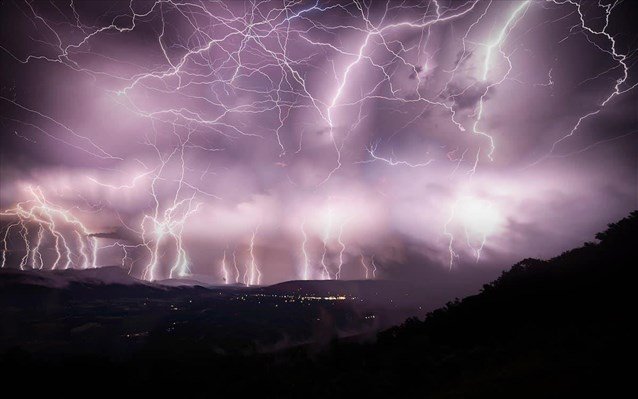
{"type": "Point", "coordinates": [558, 328]}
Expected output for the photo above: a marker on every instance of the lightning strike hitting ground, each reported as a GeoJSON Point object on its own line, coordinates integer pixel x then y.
{"type": "Point", "coordinates": [177, 124]}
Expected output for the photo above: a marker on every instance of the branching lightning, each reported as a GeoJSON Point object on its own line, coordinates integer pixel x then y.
{"type": "Point", "coordinates": [305, 86]}
{"type": "Point", "coordinates": [60, 223]}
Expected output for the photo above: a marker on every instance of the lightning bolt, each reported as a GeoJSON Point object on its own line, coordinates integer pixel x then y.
{"type": "Point", "coordinates": [473, 208]}
{"type": "Point", "coordinates": [306, 260]}
{"type": "Point", "coordinates": [224, 270]}
{"type": "Point", "coordinates": [237, 276]}
{"type": "Point", "coordinates": [255, 273]}
{"type": "Point", "coordinates": [612, 50]}
{"type": "Point", "coordinates": [366, 269]}
{"type": "Point", "coordinates": [372, 150]}
{"type": "Point", "coordinates": [374, 267]}
{"type": "Point", "coordinates": [496, 44]}
{"type": "Point", "coordinates": [325, 273]}
{"type": "Point", "coordinates": [343, 249]}
{"type": "Point", "coordinates": [54, 219]}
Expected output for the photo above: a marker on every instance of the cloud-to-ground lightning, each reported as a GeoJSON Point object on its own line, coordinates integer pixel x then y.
{"type": "Point", "coordinates": [60, 223]}
{"type": "Point", "coordinates": [366, 268]}
{"type": "Point", "coordinates": [181, 123]}
{"type": "Point", "coordinates": [254, 273]}
{"type": "Point", "coordinates": [224, 270]}
{"type": "Point", "coordinates": [476, 219]}
{"type": "Point", "coordinates": [305, 273]}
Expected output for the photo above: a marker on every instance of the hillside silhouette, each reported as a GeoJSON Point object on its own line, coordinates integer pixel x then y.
{"type": "Point", "coordinates": [555, 328]}
{"type": "Point", "coordinates": [551, 328]}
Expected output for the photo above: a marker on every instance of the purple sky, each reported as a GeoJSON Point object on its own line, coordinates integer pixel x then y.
{"type": "Point", "coordinates": [269, 141]}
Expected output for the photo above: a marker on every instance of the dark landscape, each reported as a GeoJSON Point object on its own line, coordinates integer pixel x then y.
{"type": "Point", "coordinates": [551, 328]}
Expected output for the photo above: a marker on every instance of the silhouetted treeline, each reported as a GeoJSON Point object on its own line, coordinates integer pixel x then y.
{"type": "Point", "coordinates": [556, 328]}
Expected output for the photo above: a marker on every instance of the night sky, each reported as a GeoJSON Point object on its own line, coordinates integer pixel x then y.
{"type": "Point", "coordinates": [258, 142]}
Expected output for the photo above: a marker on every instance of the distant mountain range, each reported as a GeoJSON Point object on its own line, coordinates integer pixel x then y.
{"type": "Point", "coordinates": [64, 278]}
{"type": "Point", "coordinates": [385, 293]}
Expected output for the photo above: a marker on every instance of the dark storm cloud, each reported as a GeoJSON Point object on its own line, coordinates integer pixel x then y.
{"type": "Point", "coordinates": [330, 124]}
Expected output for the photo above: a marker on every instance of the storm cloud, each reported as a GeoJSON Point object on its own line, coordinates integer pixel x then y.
{"type": "Point", "coordinates": [266, 142]}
